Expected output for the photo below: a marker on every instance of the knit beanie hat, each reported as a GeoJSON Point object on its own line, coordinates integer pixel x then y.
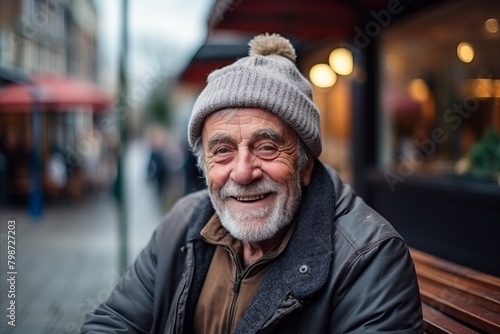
{"type": "Point", "coordinates": [266, 79]}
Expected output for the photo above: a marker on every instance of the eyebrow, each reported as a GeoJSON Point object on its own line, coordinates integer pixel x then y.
{"type": "Point", "coordinates": [268, 133]}
{"type": "Point", "coordinates": [219, 138]}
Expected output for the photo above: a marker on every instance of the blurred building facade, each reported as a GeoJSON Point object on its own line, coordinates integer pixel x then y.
{"type": "Point", "coordinates": [51, 47]}
{"type": "Point", "coordinates": [414, 124]}
{"type": "Point", "coordinates": [54, 36]}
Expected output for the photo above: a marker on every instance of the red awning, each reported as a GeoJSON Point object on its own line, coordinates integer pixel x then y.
{"type": "Point", "coordinates": [55, 92]}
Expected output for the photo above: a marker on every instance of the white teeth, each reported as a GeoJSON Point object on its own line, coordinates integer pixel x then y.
{"type": "Point", "coordinates": [250, 198]}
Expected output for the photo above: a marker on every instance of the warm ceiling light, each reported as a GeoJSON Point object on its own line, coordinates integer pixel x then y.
{"type": "Point", "coordinates": [491, 25]}
{"type": "Point", "coordinates": [418, 90]}
{"type": "Point", "coordinates": [465, 52]}
{"type": "Point", "coordinates": [482, 88]}
{"type": "Point", "coordinates": [341, 61]}
{"type": "Point", "coordinates": [485, 88]}
{"type": "Point", "coordinates": [322, 76]}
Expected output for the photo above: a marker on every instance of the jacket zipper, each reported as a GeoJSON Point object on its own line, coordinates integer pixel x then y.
{"type": "Point", "coordinates": [240, 275]}
{"type": "Point", "coordinates": [232, 308]}
{"type": "Point", "coordinates": [236, 290]}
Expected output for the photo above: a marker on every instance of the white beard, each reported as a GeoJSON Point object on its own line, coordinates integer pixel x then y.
{"type": "Point", "coordinates": [258, 224]}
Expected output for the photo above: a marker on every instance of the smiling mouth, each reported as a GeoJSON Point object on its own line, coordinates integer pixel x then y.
{"type": "Point", "coordinates": [250, 199]}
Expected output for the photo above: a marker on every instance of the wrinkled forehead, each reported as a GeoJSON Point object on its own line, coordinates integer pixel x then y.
{"type": "Point", "coordinates": [251, 119]}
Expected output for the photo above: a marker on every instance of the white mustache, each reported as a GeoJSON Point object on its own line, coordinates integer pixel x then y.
{"type": "Point", "coordinates": [231, 189]}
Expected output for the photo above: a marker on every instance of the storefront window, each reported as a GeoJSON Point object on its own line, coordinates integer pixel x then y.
{"type": "Point", "coordinates": [440, 92]}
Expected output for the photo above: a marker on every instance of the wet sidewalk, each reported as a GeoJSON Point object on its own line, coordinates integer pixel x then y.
{"type": "Point", "coordinates": [67, 262]}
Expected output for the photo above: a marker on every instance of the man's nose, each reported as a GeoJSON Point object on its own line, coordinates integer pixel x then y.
{"type": "Point", "coordinates": [246, 168]}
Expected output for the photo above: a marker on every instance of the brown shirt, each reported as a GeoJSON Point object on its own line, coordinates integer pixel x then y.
{"type": "Point", "coordinates": [229, 287]}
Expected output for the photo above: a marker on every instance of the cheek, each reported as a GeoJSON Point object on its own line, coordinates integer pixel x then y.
{"type": "Point", "coordinates": [217, 176]}
{"type": "Point", "coordinates": [282, 170]}
{"type": "Point", "coordinates": [281, 173]}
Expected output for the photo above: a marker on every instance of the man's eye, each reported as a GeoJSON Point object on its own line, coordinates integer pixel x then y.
{"type": "Point", "coordinates": [266, 151]}
{"type": "Point", "coordinates": [222, 150]}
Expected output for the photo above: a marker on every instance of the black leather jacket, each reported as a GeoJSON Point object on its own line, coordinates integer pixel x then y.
{"type": "Point", "coordinates": [345, 270]}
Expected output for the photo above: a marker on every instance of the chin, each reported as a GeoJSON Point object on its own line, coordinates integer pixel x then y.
{"type": "Point", "coordinates": [253, 227]}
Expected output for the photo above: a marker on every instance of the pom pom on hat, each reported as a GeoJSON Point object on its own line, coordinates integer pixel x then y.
{"type": "Point", "coordinates": [266, 44]}
{"type": "Point", "coordinates": [267, 79]}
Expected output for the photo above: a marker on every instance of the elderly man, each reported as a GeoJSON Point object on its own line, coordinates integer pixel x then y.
{"type": "Point", "coordinates": [278, 244]}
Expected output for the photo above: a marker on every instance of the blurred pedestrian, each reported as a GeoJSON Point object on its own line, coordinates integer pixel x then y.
{"type": "Point", "coordinates": [278, 243]}
{"type": "Point", "coordinates": [157, 169]}
{"type": "Point", "coordinates": [56, 171]}
{"type": "Point", "coordinates": [91, 146]}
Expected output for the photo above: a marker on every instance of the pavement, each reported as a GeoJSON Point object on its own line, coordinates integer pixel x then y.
{"type": "Point", "coordinates": [66, 263]}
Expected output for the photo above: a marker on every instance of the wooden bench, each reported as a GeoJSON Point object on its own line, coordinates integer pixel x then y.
{"type": "Point", "coordinates": [456, 299]}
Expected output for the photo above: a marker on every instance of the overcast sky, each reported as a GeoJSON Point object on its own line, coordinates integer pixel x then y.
{"type": "Point", "coordinates": [163, 36]}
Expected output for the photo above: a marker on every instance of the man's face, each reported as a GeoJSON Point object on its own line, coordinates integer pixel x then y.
{"type": "Point", "coordinates": [253, 181]}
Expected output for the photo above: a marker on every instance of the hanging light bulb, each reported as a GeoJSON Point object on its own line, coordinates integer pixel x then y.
{"type": "Point", "coordinates": [418, 90]}
{"type": "Point", "coordinates": [341, 61]}
{"type": "Point", "coordinates": [322, 76]}
{"type": "Point", "coordinates": [465, 52]}
{"type": "Point", "coordinates": [491, 25]}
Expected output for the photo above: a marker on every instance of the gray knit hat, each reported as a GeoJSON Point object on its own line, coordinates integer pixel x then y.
{"type": "Point", "coordinates": [266, 79]}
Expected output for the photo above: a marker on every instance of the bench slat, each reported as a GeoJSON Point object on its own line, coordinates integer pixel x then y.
{"type": "Point", "coordinates": [456, 299]}
{"type": "Point", "coordinates": [456, 306]}
{"type": "Point", "coordinates": [478, 292]}
{"type": "Point", "coordinates": [439, 323]}
{"type": "Point", "coordinates": [444, 265]}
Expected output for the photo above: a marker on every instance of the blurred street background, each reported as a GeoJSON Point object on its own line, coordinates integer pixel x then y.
{"type": "Point", "coordinates": [95, 97]}
{"type": "Point", "coordinates": [92, 147]}
{"type": "Point", "coordinates": [67, 260]}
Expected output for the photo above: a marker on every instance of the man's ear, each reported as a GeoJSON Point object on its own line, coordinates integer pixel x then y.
{"type": "Point", "coordinates": [307, 172]}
